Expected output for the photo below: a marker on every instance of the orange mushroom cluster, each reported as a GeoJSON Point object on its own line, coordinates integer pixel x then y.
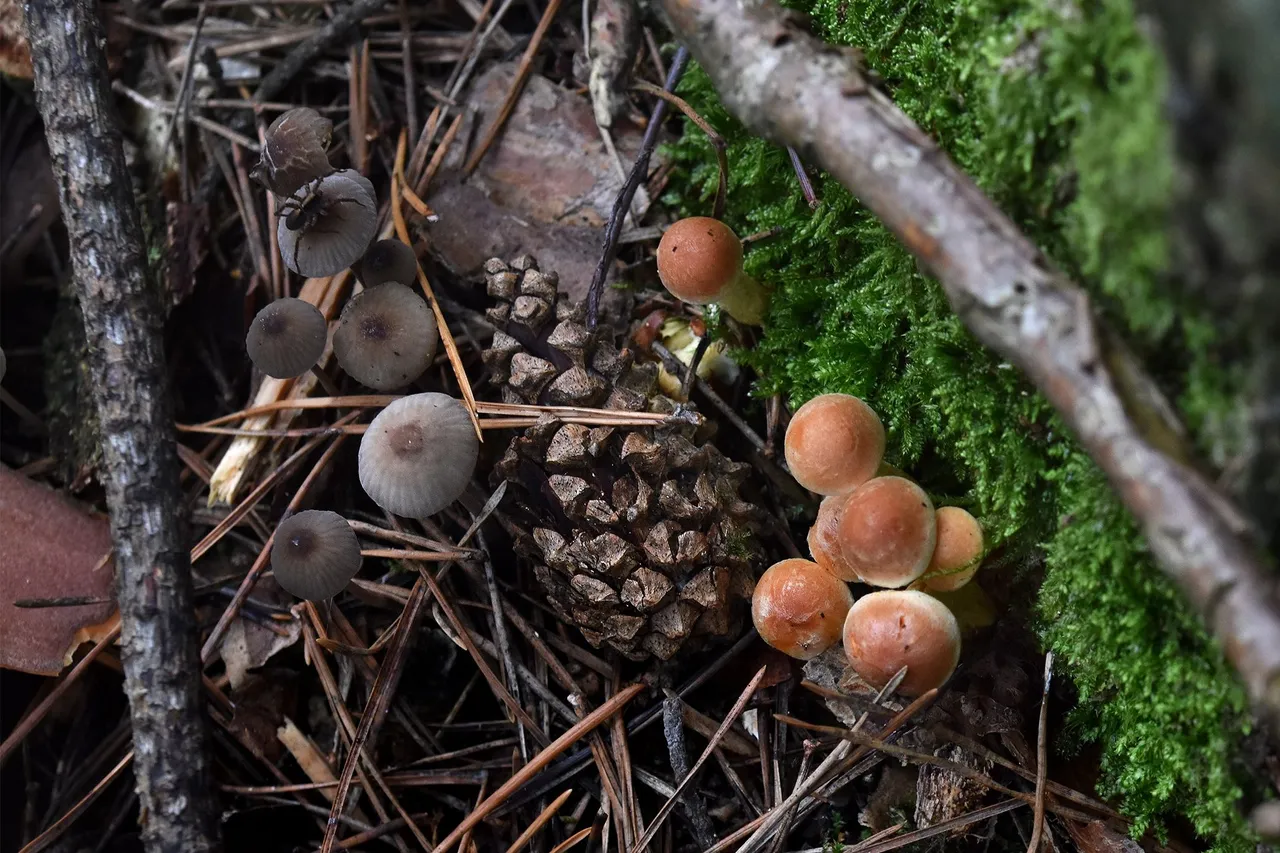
{"type": "Point", "coordinates": [875, 528]}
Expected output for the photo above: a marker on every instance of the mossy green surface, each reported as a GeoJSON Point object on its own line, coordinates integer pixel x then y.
{"type": "Point", "coordinates": [1054, 108]}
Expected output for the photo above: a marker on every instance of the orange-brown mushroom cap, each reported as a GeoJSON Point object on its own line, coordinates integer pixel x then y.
{"type": "Point", "coordinates": [834, 444]}
{"type": "Point", "coordinates": [824, 543]}
{"type": "Point", "coordinates": [798, 608]}
{"type": "Point", "coordinates": [958, 551]}
{"type": "Point", "coordinates": [889, 629]}
{"type": "Point", "coordinates": [887, 531]}
{"type": "Point", "coordinates": [699, 257]}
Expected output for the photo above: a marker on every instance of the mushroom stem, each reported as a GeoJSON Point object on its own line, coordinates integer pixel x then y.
{"type": "Point", "coordinates": [327, 382]}
{"type": "Point", "coordinates": [745, 299]}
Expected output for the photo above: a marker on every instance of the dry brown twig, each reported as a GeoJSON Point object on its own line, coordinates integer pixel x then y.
{"type": "Point", "coordinates": [786, 85]}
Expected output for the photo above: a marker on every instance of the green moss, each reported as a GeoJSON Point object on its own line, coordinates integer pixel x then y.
{"type": "Point", "coordinates": [1054, 108]}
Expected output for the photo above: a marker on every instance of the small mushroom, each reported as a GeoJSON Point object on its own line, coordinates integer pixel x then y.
{"type": "Point", "coordinates": [887, 531]}
{"type": "Point", "coordinates": [327, 224]}
{"type": "Point", "coordinates": [294, 151]}
{"type": "Point", "coordinates": [799, 608]}
{"type": "Point", "coordinates": [700, 261]}
{"type": "Point", "coordinates": [286, 337]}
{"type": "Point", "coordinates": [388, 260]}
{"type": "Point", "coordinates": [889, 629]}
{"type": "Point", "coordinates": [386, 337]}
{"type": "Point", "coordinates": [834, 443]}
{"type": "Point", "coordinates": [418, 454]}
{"type": "Point", "coordinates": [315, 554]}
{"type": "Point", "coordinates": [957, 554]}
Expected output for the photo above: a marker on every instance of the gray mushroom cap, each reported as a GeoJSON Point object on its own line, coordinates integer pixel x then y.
{"type": "Point", "coordinates": [386, 337]}
{"type": "Point", "coordinates": [346, 220]}
{"type": "Point", "coordinates": [286, 337]}
{"type": "Point", "coordinates": [418, 455]}
{"type": "Point", "coordinates": [388, 260]}
{"type": "Point", "coordinates": [315, 554]}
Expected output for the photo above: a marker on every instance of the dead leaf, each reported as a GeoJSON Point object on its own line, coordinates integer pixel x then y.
{"type": "Point", "coordinates": [546, 187]}
{"type": "Point", "coordinates": [261, 704]}
{"type": "Point", "coordinates": [1097, 837]}
{"type": "Point", "coordinates": [53, 549]}
{"type": "Point", "coordinates": [248, 645]}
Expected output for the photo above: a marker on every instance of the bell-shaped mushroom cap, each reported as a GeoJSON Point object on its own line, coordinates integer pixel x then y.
{"type": "Point", "coordinates": [824, 541]}
{"type": "Point", "coordinates": [345, 220]}
{"type": "Point", "coordinates": [887, 531]}
{"type": "Point", "coordinates": [418, 454]}
{"type": "Point", "coordinates": [386, 337]}
{"type": "Point", "coordinates": [286, 337]}
{"type": "Point", "coordinates": [957, 554]}
{"type": "Point", "coordinates": [798, 608]}
{"type": "Point", "coordinates": [834, 444]}
{"type": "Point", "coordinates": [294, 151]}
{"type": "Point", "coordinates": [315, 554]}
{"type": "Point", "coordinates": [889, 629]}
{"type": "Point", "coordinates": [699, 257]}
{"type": "Point", "coordinates": [388, 260]}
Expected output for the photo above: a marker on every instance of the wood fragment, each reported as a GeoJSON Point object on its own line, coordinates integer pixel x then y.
{"type": "Point", "coordinates": [1042, 757]}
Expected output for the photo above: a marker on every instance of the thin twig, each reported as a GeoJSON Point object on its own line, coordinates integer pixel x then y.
{"type": "Point", "coordinates": [717, 141]}
{"type": "Point", "coordinates": [621, 206]}
{"type": "Point", "coordinates": [1042, 757]}
{"type": "Point", "coordinates": [806, 186]}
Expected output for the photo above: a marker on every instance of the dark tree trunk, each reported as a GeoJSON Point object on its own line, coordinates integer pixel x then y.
{"type": "Point", "coordinates": [123, 326]}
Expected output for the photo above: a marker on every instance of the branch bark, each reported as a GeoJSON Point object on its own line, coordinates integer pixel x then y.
{"type": "Point", "coordinates": [123, 326]}
{"type": "Point", "coordinates": [791, 88]}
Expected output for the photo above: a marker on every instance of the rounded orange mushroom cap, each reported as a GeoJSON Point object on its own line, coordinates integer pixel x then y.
{"type": "Point", "coordinates": [957, 554]}
{"type": "Point", "coordinates": [798, 608]}
{"type": "Point", "coordinates": [889, 629]}
{"type": "Point", "coordinates": [887, 531]}
{"type": "Point", "coordinates": [834, 444]}
{"type": "Point", "coordinates": [698, 258]}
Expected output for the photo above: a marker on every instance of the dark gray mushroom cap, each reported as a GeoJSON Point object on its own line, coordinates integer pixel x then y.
{"type": "Point", "coordinates": [315, 554]}
{"type": "Point", "coordinates": [294, 151]}
{"type": "Point", "coordinates": [388, 260]}
{"type": "Point", "coordinates": [418, 455]}
{"type": "Point", "coordinates": [386, 337]}
{"type": "Point", "coordinates": [339, 217]}
{"type": "Point", "coordinates": [286, 337]}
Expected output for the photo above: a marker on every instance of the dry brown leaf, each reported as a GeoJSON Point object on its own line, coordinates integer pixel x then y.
{"type": "Point", "coordinates": [52, 549]}
{"type": "Point", "coordinates": [15, 53]}
{"type": "Point", "coordinates": [248, 645]}
{"type": "Point", "coordinates": [1097, 837]}
{"type": "Point", "coordinates": [546, 187]}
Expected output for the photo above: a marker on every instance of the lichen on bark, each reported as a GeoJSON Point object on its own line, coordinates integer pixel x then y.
{"type": "Point", "coordinates": [1055, 109]}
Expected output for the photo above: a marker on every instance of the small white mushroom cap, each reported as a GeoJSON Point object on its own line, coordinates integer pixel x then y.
{"type": "Point", "coordinates": [346, 221]}
{"type": "Point", "coordinates": [418, 455]}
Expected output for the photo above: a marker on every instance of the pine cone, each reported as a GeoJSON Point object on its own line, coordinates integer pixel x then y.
{"type": "Point", "coordinates": [637, 534]}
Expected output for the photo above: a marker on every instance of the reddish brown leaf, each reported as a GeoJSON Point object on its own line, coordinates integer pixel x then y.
{"type": "Point", "coordinates": [52, 549]}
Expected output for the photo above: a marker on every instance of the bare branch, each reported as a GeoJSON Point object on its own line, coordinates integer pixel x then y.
{"type": "Point", "coordinates": [123, 326]}
{"type": "Point", "coordinates": [788, 86]}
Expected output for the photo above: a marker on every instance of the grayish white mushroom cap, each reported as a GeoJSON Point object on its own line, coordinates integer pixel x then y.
{"type": "Point", "coordinates": [315, 554]}
{"type": "Point", "coordinates": [386, 337]}
{"type": "Point", "coordinates": [418, 455]}
{"type": "Point", "coordinates": [286, 337]}
{"type": "Point", "coordinates": [339, 223]}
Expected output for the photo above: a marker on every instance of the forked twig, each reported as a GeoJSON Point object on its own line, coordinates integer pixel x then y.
{"type": "Point", "coordinates": [722, 158]}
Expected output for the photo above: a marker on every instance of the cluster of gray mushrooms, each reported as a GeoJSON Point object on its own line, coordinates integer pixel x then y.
{"type": "Point", "coordinates": [419, 452]}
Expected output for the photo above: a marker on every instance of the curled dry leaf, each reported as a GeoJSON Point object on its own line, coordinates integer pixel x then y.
{"type": "Point", "coordinates": [52, 549]}
{"type": "Point", "coordinates": [248, 645]}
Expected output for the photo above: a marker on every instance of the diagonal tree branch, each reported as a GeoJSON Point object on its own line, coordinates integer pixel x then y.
{"type": "Point", "coordinates": [124, 329]}
{"type": "Point", "coordinates": [789, 87]}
